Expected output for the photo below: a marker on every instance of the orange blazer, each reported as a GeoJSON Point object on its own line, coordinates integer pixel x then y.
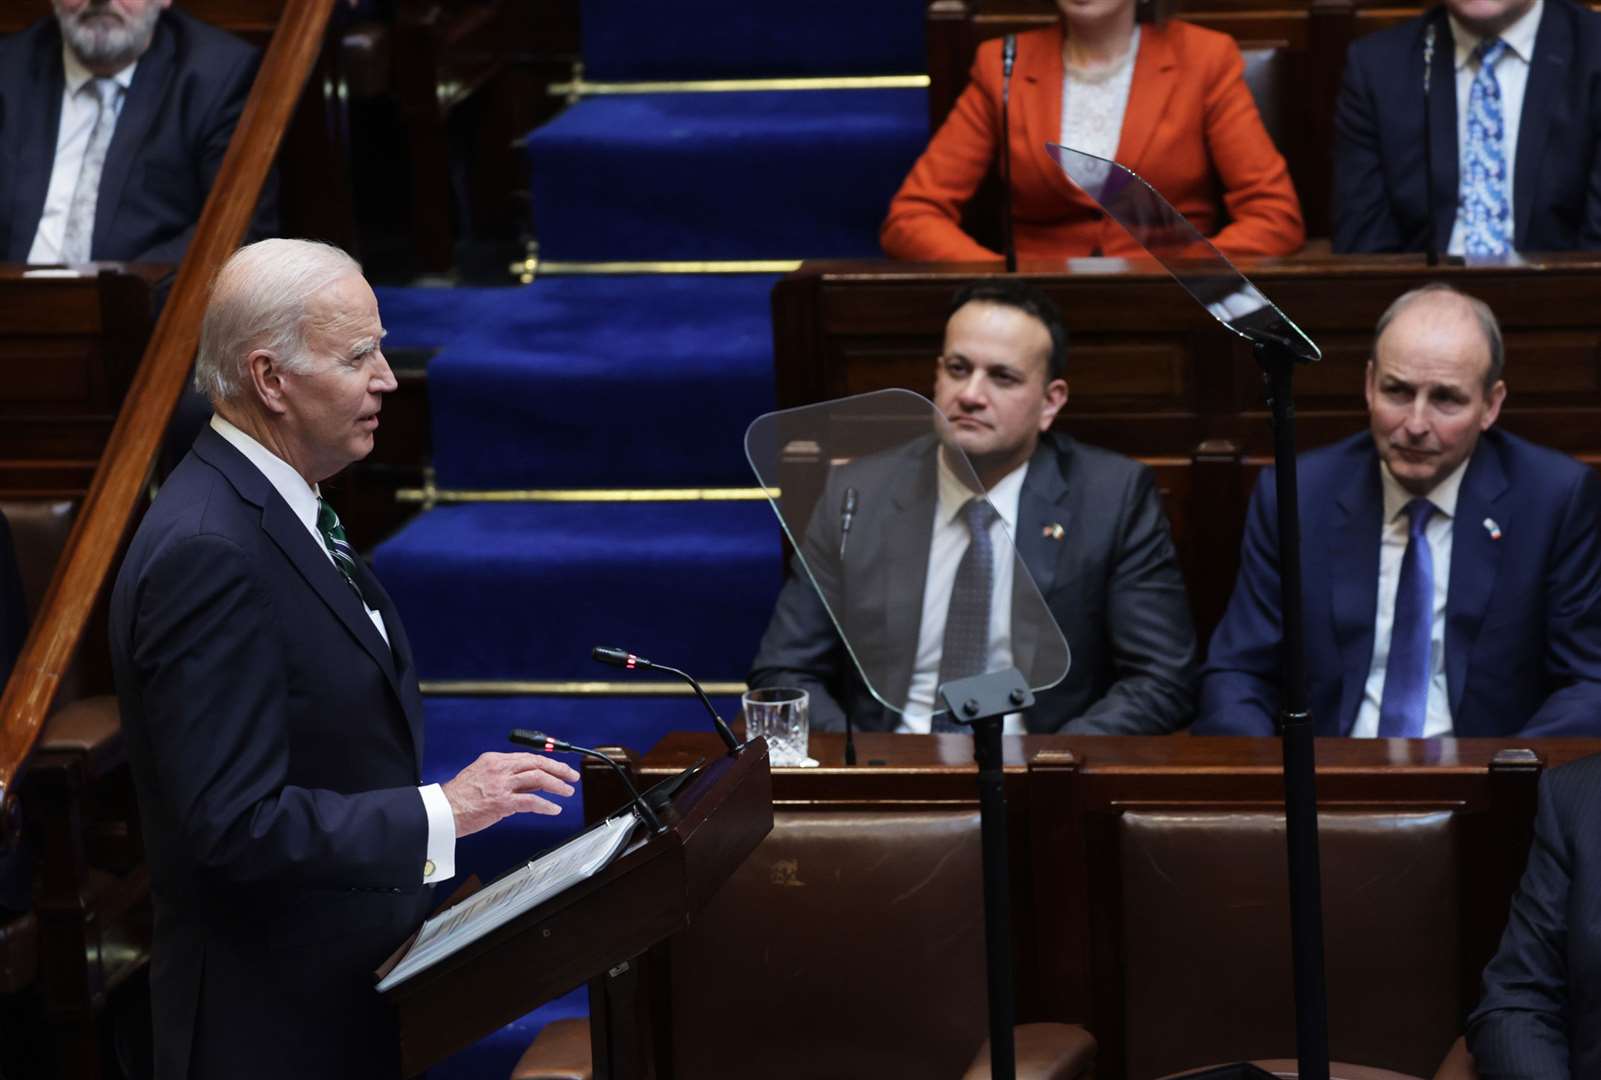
{"type": "Point", "coordinates": [1190, 128]}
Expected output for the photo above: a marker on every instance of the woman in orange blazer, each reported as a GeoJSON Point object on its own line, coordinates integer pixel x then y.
{"type": "Point", "coordinates": [1190, 128]}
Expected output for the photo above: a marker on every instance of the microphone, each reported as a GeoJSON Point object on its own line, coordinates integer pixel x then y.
{"type": "Point", "coordinates": [1431, 246]}
{"type": "Point", "coordinates": [622, 658]}
{"type": "Point", "coordinates": [1008, 58]}
{"type": "Point", "coordinates": [549, 744]}
{"type": "Point", "coordinates": [847, 514]}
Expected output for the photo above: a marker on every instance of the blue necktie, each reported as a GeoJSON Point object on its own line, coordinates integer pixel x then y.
{"type": "Point", "coordinates": [1486, 211]}
{"type": "Point", "coordinates": [1406, 674]}
{"type": "Point", "coordinates": [967, 619]}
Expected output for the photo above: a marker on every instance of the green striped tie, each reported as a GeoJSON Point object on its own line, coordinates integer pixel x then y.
{"type": "Point", "coordinates": [333, 535]}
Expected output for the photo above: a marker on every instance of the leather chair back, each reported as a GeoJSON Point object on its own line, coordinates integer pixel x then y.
{"type": "Point", "coordinates": [851, 943]}
{"type": "Point", "coordinates": [1267, 77]}
{"type": "Point", "coordinates": [1207, 973]}
{"type": "Point", "coordinates": [39, 529]}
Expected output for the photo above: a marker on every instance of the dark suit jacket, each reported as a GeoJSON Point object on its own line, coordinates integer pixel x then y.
{"type": "Point", "coordinates": [1379, 195]}
{"type": "Point", "coordinates": [275, 741]}
{"type": "Point", "coordinates": [176, 120]}
{"type": "Point", "coordinates": [1523, 612]}
{"type": "Point", "coordinates": [1542, 991]}
{"type": "Point", "coordinates": [1112, 583]}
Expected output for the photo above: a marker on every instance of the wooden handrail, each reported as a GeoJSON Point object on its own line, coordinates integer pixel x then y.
{"type": "Point", "coordinates": [125, 465]}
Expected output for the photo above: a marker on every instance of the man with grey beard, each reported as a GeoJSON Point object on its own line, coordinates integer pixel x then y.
{"type": "Point", "coordinates": [114, 117]}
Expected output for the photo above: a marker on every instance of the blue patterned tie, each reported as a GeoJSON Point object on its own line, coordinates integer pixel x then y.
{"type": "Point", "coordinates": [1406, 674]}
{"type": "Point", "coordinates": [967, 620]}
{"type": "Point", "coordinates": [1486, 211]}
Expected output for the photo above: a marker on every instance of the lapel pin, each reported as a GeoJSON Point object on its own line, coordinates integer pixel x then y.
{"type": "Point", "coordinates": [1053, 531]}
{"type": "Point", "coordinates": [1492, 528]}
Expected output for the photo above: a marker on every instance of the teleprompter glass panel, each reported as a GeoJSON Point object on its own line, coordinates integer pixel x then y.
{"type": "Point", "coordinates": [861, 485]}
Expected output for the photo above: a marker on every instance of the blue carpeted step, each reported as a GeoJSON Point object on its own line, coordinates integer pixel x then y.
{"type": "Point", "coordinates": [712, 39]}
{"type": "Point", "coordinates": [762, 175]}
{"type": "Point", "coordinates": [523, 590]}
{"type": "Point", "coordinates": [627, 381]}
{"type": "Point", "coordinates": [417, 317]}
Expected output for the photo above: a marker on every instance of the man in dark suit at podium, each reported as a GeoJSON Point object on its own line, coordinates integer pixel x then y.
{"type": "Point", "coordinates": [114, 117]}
{"type": "Point", "coordinates": [1452, 572]}
{"type": "Point", "coordinates": [270, 702]}
{"type": "Point", "coordinates": [1542, 991]}
{"type": "Point", "coordinates": [1514, 132]}
{"type": "Point", "coordinates": [1088, 526]}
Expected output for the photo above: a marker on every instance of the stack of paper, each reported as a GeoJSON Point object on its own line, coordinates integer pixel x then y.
{"type": "Point", "coordinates": [517, 892]}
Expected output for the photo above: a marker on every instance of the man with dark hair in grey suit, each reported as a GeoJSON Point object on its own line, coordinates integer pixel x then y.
{"type": "Point", "coordinates": [1087, 525]}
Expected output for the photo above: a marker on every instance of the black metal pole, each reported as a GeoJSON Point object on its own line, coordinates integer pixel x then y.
{"type": "Point", "coordinates": [1300, 765]}
{"type": "Point", "coordinates": [997, 896]}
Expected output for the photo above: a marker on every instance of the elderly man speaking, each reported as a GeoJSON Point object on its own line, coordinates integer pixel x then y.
{"type": "Point", "coordinates": [271, 705]}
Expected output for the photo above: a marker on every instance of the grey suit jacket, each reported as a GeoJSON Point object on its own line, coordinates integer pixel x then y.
{"type": "Point", "coordinates": [1111, 582]}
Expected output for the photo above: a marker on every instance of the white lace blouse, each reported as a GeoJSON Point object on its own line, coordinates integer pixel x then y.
{"type": "Point", "coordinates": [1093, 101]}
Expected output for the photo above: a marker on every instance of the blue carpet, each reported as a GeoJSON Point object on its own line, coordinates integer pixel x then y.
{"type": "Point", "coordinates": [646, 381]}
{"type": "Point", "coordinates": [495, 1055]}
{"type": "Point", "coordinates": [428, 318]}
{"type": "Point", "coordinates": [710, 39]}
{"type": "Point", "coordinates": [766, 175]}
{"type": "Point", "coordinates": [522, 591]}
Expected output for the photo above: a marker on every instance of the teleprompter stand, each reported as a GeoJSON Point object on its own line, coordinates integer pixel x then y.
{"type": "Point", "coordinates": [982, 702]}
{"type": "Point", "coordinates": [599, 926]}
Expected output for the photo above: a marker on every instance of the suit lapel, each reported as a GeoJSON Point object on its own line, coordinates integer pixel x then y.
{"type": "Point", "coordinates": [1548, 73]}
{"type": "Point", "coordinates": [1039, 105]}
{"type": "Point", "coordinates": [300, 548]}
{"type": "Point", "coordinates": [1475, 562]}
{"type": "Point", "coordinates": [1042, 504]}
{"type": "Point", "coordinates": [1156, 75]}
{"type": "Point", "coordinates": [908, 531]}
{"type": "Point", "coordinates": [1442, 134]}
{"type": "Point", "coordinates": [1353, 560]}
{"type": "Point", "coordinates": [399, 651]}
{"type": "Point", "coordinates": [139, 112]}
{"type": "Point", "coordinates": [36, 145]}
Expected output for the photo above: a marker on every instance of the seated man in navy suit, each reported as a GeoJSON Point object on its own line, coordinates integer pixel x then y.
{"type": "Point", "coordinates": [1452, 571]}
{"type": "Point", "coordinates": [114, 117]}
{"type": "Point", "coordinates": [1536, 1016]}
{"type": "Point", "coordinates": [1514, 130]}
{"type": "Point", "coordinates": [270, 702]}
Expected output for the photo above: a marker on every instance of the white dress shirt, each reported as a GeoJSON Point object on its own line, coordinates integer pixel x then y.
{"type": "Point", "coordinates": [948, 545]}
{"type": "Point", "coordinates": [78, 111]}
{"type": "Point", "coordinates": [302, 500]}
{"type": "Point", "coordinates": [1512, 74]}
{"type": "Point", "coordinates": [1392, 547]}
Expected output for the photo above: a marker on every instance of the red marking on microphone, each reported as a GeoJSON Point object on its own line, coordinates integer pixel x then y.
{"type": "Point", "coordinates": [550, 746]}
{"type": "Point", "coordinates": [632, 660]}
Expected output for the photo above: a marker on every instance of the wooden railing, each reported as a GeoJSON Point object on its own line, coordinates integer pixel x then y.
{"type": "Point", "coordinates": [125, 465]}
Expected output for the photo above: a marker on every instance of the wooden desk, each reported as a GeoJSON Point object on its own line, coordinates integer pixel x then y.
{"type": "Point", "coordinates": [68, 349]}
{"type": "Point", "coordinates": [1082, 812]}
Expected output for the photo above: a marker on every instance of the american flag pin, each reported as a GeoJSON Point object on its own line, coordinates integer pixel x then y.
{"type": "Point", "coordinates": [1053, 531]}
{"type": "Point", "coordinates": [1492, 528]}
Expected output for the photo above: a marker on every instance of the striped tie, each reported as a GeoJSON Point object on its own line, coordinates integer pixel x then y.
{"type": "Point", "coordinates": [333, 535]}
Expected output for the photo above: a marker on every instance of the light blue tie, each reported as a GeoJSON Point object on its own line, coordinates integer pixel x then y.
{"type": "Point", "coordinates": [1486, 210]}
{"type": "Point", "coordinates": [1405, 704]}
{"type": "Point", "coordinates": [77, 237]}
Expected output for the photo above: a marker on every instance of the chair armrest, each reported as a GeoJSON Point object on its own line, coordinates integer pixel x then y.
{"type": "Point", "coordinates": [1338, 1070]}
{"type": "Point", "coordinates": [90, 727]}
{"type": "Point", "coordinates": [1044, 1052]}
{"type": "Point", "coordinates": [559, 1052]}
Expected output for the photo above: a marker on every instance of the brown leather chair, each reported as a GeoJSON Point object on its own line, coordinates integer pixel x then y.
{"type": "Point", "coordinates": [1458, 1064]}
{"type": "Point", "coordinates": [851, 943]}
{"type": "Point", "coordinates": [1184, 881]}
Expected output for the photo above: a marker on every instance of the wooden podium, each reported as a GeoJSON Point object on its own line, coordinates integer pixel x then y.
{"type": "Point", "coordinates": [601, 927]}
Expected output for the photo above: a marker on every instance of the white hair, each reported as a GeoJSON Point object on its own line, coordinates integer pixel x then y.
{"type": "Point", "coordinates": [258, 302]}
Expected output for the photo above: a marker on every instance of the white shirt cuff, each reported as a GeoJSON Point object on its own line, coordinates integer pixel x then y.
{"type": "Point", "coordinates": [441, 859]}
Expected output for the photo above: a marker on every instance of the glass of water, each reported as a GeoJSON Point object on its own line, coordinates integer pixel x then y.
{"type": "Point", "coordinates": [780, 715]}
